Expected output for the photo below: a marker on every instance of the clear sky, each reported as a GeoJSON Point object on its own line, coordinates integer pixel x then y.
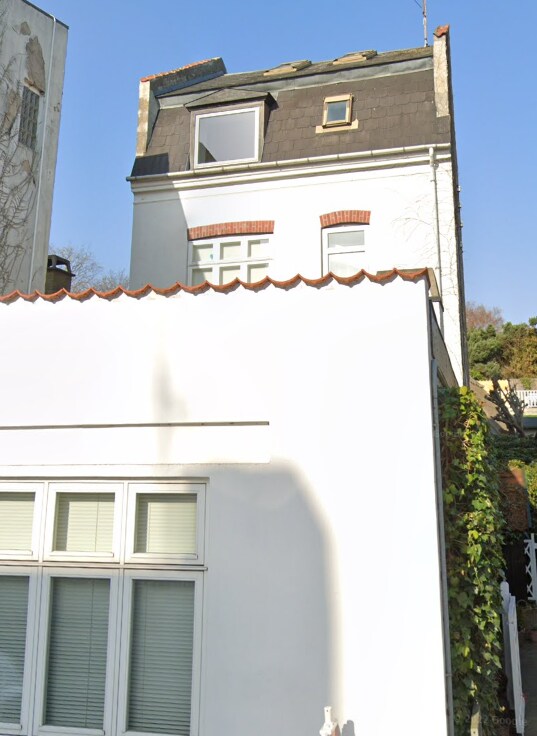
{"type": "Point", "coordinates": [113, 43]}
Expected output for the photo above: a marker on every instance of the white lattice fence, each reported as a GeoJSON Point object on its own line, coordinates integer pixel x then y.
{"type": "Point", "coordinates": [531, 566]}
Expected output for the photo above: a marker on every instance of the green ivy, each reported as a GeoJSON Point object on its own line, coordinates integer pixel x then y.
{"type": "Point", "coordinates": [474, 530]}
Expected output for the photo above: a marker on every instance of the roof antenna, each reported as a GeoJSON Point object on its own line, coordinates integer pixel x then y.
{"type": "Point", "coordinates": [424, 13]}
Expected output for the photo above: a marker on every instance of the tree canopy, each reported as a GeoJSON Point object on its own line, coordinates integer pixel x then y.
{"type": "Point", "coordinates": [500, 350]}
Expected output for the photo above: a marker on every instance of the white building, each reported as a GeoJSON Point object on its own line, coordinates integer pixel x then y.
{"type": "Point", "coordinates": [206, 524]}
{"type": "Point", "coordinates": [306, 168]}
{"type": "Point", "coordinates": [32, 59]}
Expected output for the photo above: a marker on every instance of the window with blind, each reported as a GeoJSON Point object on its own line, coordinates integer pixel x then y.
{"type": "Point", "coordinates": [13, 619]}
{"type": "Point", "coordinates": [92, 607]}
{"type": "Point", "coordinates": [17, 516]}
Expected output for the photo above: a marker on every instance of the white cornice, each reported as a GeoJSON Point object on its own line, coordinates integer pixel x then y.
{"type": "Point", "coordinates": [291, 168]}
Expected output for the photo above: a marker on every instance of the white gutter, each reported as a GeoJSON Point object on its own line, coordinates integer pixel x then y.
{"type": "Point", "coordinates": [336, 163]}
{"type": "Point", "coordinates": [40, 177]}
{"type": "Point", "coordinates": [434, 165]}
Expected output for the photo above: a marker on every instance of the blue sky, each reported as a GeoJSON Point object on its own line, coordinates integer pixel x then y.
{"type": "Point", "coordinates": [114, 43]}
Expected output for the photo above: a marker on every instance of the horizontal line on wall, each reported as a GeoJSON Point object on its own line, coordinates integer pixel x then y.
{"type": "Point", "coordinates": [130, 425]}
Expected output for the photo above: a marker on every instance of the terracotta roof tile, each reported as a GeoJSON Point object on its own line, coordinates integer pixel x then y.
{"type": "Point", "coordinates": [379, 278]}
{"type": "Point", "coordinates": [174, 71]}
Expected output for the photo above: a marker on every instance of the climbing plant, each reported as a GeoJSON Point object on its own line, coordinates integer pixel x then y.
{"type": "Point", "coordinates": [474, 530]}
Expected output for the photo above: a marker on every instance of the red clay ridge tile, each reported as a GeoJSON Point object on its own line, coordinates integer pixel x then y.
{"type": "Point", "coordinates": [380, 278]}
{"type": "Point", "coordinates": [174, 71]}
{"type": "Point", "coordinates": [442, 31]}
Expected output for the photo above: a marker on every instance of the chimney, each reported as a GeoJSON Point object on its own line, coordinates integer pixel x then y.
{"type": "Point", "coordinates": [59, 275]}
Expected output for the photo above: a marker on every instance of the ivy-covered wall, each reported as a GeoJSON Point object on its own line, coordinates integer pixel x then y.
{"type": "Point", "coordinates": [474, 531]}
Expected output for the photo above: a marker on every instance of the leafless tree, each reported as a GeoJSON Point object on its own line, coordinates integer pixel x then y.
{"type": "Point", "coordinates": [89, 272]}
{"type": "Point", "coordinates": [18, 167]}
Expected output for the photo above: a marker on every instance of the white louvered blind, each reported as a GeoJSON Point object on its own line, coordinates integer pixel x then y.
{"type": "Point", "coordinates": [84, 522]}
{"type": "Point", "coordinates": [166, 523]}
{"type": "Point", "coordinates": [13, 615]}
{"type": "Point", "coordinates": [77, 652]}
{"type": "Point", "coordinates": [16, 519]}
{"type": "Point", "coordinates": [160, 668]}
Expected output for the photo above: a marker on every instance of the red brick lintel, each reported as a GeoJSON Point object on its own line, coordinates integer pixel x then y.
{"type": "Point", "coordinates": [246, 227]}
{"type": "Point", "coordinates": [346, 217]}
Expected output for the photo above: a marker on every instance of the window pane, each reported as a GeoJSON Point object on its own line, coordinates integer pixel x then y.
{"type": "Point", "coordinates": [29, 116]}
{"type": "Point", "coordinates": [346, 238]}
{"type": "Point", "coordinates": [200, 275]}
{"type": "Point", "coordinates": [166, 523]}
{"type": "Point", "coordinates": [160, 672]}
{"type": "Point", "coordinates": [257, 271]}
{"type": "Point", "coordinates": [336, 111]}
{"type": "Point", "coordinates": [229, 137]}
{"type": "Point", "coordinates": [202, 253]}
{"type": "Point", "coordinates": [229, 273]}
{"type": "Point", "coordinates": [257, 248]}
{"type": "Point", "coordinates": [77, 652]}
{"type": "Point", "coordinates": [230, 251]}
{"type": "Point", "coordinates": [13, 614]}
{"type": "Point", "coordinates": [345, 264]}
{"type": "Point", "coordinates": [16, 519]}
{"type": "Point", "coordinates": [84, 522]}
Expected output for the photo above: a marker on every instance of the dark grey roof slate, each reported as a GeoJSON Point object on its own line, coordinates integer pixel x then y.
{"type": "Point", "coordinates": [147, 165]}
{"type": "Point", "coordinates": [321, 67]}
{"type": "Point", "coordinates": [227, 96]}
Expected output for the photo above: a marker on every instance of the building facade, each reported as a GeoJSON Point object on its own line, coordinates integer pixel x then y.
{"type": "Point", "coordinates": [205, 526]}
{"type": "Point", "coordinates": [306, 168]}
{"type": "Point", "coordinates": [33, 46]}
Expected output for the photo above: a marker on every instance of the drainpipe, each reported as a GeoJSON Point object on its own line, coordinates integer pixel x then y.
{"type": "Point", "coordinates": [40, 177]}
{"type": "Point", "coordinates": [434, 166]}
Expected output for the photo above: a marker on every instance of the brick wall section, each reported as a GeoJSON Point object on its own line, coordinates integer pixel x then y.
{"type": "Point", "coordinates": [346, 217]}
{"type": "Point", "coordinates": [513, 489]}
{"type": "Point", "coordinates": [246, 227]}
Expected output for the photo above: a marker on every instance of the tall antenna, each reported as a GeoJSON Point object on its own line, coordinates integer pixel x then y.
{"type": "Point", "coordinates": [424, 13]}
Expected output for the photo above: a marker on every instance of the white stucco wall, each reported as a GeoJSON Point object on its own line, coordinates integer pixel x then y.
{"type": "Point", "coordinates": [322, 582]}
{"type": "Point", "coordinates": [21, 23]}
{"type": "Point", "coordinates": [399, 191]}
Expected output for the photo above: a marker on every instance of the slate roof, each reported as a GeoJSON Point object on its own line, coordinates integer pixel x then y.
{"type": "Point", "coordinates": [320, 67]}
{"type": "Point", "coordinates": [393, 102]}
{"type": "Point", "coordinates": [382, 277]}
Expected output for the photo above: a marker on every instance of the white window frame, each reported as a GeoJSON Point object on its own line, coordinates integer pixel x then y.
{"type": "Point", "coordinates": [80, 488]}
{"type": "Point", "coordinates": [43, 636]}
{"type": "Point", "coordinates": [23, 728]}
{"type": "Point", "coordinates": [38, 490]}
{"type": "Point", "coordinates": [348, 98]}
{"type": "Point", "coordinates": [44, 564]}
{"type": "Point", "coordinates": [178, 576]}
{"type": "Point", "coordinates": [211, 164]}
{"type": "Point", "coordinates": [133, 490]}
{"type": "Point", "coordinates": [217, 263]}
{"type": "Point", "coordinates": [340, 249]}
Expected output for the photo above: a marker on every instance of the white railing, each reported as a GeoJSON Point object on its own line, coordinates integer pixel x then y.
{"type": "Point", "coordinates": [529, 397]}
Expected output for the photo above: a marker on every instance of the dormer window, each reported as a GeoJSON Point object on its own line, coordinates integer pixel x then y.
{"type": "Point", "coordinates": [227, 137]}
{"type": "Point", "coordinates": [337, 110]}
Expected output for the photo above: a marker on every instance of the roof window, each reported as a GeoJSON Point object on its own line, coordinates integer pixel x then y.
{"type": "Point", "coordinates": [355, 56]}
{"type": "Point", "coordinates": [288, 67]}
{"type": "Point", "coordinates": [337, 110]}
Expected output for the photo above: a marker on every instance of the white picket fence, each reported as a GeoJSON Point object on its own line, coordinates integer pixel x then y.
{"type": "Point", "coordinates": [512, 657]}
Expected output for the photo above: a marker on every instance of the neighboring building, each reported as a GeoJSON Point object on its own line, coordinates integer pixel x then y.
{"type": "Point", "coordinates": [205, 527]}
{"type": "Point", "coordinates": [32, 59]}
{"type": "Point", "coordinates": [305, 168]}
